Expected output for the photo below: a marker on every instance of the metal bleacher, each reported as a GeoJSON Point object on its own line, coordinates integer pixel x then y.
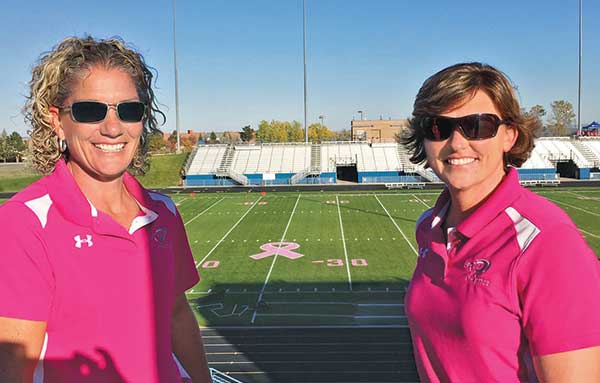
{"type": "Point", "coordinates": [207, 160]}
{"type": "Point", "coordinates": [384, 163]}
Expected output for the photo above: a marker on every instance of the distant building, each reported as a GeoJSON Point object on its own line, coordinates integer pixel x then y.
{"type": "Point", "coordinates": [377, 130]}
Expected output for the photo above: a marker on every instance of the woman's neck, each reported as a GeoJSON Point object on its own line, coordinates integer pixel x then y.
{"type": "Point", "coordinates": [109, 196]}
{"type": "Point", "coordinates": [465, 202]}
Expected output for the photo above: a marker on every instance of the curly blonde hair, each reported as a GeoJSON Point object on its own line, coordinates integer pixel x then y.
{"type": "Point", "coordinates": [51, 82]}
{"type": "Point", "coordinates": [457, 83]}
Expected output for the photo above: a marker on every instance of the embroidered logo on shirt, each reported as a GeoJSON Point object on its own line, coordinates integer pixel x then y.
{"type": "Point", "coordinates": [475, 269]}
{"type": "Point", "coordinates": [79, 241]}
{"type": "Point", "coordinates": [423, 252]}
{"type": "Point", "coordinates": [160, 234]}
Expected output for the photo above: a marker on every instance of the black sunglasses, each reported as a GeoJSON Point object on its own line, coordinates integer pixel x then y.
{"type": "Point", "coordinates": [472, 127]}
{"type": "Point", "coordinates": [94, 111]}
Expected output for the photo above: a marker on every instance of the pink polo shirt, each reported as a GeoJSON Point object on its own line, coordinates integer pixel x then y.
{"type": "Point", "coordinates": [106, 293]}
{"type": "Point", "coordinates": [519, 282]}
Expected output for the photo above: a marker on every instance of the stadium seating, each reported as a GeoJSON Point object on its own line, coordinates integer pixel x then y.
{"type": "Point", "coordinates": [387, 163]}
{"type": "Point", "coordinates": [207, 159]}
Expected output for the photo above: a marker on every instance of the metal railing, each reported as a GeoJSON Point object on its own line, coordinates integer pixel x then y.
{"type": "Point", "coordinates": [428, 174]}
{"type": "Point", "coordinates": [219, 377]}
{"type": "Point", "coordinates": [240, 178]}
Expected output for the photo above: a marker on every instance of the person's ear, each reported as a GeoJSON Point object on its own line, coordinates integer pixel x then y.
{"type": "Point", "coordinates": [55, 122]}
{"type": "Point", "coordinates": [510, 138]}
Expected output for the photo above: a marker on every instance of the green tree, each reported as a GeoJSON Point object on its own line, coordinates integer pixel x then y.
{"type": "Point", "coordinates": [279, 129]}
{"type": "Point", "coordinates": [295, 133]}
{"type": "Point", "coordinates": [247, 134]}
{"type": "Point", "coordinates": [213, 137]}
{"type": "Point", "coordinates": [562, 118]}
{"type": "Point", "coordinates": [265, 131]}
{"type": "Point", "coordinates": [16, 146]}
{"type": "Point", "coordinates": [318, 132]}
{"type": "Point", "coordinates": [538, 111]}
{"type": "Point", "coordinates": [4, 148]}
{"type": "Point", "coordinates": [156, 142]}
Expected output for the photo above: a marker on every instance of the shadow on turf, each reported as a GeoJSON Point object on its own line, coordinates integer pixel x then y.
{"type": "Point", "coordinates": [299, 335]}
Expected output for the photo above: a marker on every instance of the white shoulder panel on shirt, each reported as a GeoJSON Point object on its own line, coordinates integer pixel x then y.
{"type": "Point", "coordinates": [425, 214]}
{"type": "Point", "coordinates": [40, 207]}
{"type": "Point", "coordinates": [164, 199]}
{"type": "Point", "coordinates": [526, 230]}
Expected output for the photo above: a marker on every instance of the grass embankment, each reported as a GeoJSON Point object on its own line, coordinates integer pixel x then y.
{"type": "Point", "coordinates": [14, 177]}
{"type": "Point", "coordinates": [164, 172]}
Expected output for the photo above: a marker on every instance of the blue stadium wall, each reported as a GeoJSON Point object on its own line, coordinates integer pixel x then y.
{"type": "Point", "coordinates": [257, 179]}
{"type": "Point", "coordinates": [537, 171]}
{"type": "Point", "coordinates": [583, 173]}
{"type": "Point", "coordinates": [389, 176]}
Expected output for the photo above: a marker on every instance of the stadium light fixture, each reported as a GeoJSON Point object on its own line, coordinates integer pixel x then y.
{"type": "Point", "coordinates": [322, 118]}
{"type": "Point", "coordinates": [361, 113]}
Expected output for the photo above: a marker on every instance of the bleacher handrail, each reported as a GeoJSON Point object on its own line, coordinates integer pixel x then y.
{"type": "Point", "coordinates": [190, 159]}
{"type": "Point", "coordinates": [219, 377]}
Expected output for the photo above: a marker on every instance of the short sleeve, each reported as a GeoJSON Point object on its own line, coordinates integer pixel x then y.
{"type": "Point", "coordinates": [186, 275]}
{"type": "Point", "coordinates": [26, 278]}
{"type": "Point", "coordinates": [558, 284]}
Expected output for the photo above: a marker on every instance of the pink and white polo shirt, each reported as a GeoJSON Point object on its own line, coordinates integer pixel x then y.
{"type": "Point", "coordinates": [106, 293]}
{"type": "Point", "coordinates": [519, 282]}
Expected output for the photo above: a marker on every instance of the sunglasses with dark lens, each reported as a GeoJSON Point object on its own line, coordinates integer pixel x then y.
{"type": "Point", "coordinates": [94, 111]}
{"type": "Point", "coordinates": [472, 127]}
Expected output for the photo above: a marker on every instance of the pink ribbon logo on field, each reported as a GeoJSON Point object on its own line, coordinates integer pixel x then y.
{"type": "Point", "coordinates": [278, 248]}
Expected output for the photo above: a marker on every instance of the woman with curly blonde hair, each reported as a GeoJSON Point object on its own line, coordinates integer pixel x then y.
{"type": "Point", "coordinates": [503, 283]}
{"type": "Point", "coordinates": [94, 267]}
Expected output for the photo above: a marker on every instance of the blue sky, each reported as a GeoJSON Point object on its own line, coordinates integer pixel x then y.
{"type": "Point", "coordinates": [241, 61]}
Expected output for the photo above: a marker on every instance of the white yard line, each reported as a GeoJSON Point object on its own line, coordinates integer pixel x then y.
{"type": "Point", "coordinates": [178, 203]}
{"type": "Point", "coordinates": [574, 207]}
{"type": "Point", "coordinates": [586, 198]}
{"type": "Point", "coordinates": [397, 227]}
{"type": "Point", "coordinates": [262, 290]}
{"type": "Point", "coordinates": [588, 233]}
{"type": "Point", "coordinates": [366, 194]}
{"type": "Point", "coordinates": [344, 242]}
{"type": "Point", "coordinates": [230, 230]}
{"type": "Point", "coordinates": [203, 211]}
{"type": "Point", "coordinates": [420, 200]}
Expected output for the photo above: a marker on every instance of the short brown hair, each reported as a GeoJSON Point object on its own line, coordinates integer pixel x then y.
{"type": "Point", "coordinates": [51, 82]}
{"type": "Point", "coordinates": [458, 82]}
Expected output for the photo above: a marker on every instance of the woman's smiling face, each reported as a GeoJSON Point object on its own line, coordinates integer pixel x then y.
{"type": "Point", "coordinates": [475, 166]}
{"type": "Point", "coordinates": [102, 150]}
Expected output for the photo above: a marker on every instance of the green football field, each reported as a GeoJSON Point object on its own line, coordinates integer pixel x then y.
{"type": "Point", "coordinates": [342, 258]}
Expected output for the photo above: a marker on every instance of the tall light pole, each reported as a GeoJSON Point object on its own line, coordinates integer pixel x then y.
{"type": "Point", "coordinates": [580, 56]}
{"type": "Point", "coordinates": [176, 82]}
{"type": "Point", "coordinates": [361, 114]}
{"type": "Point", "coordinates": [322, 118]}
{"type": "Point", "coordinates": [304, 50]}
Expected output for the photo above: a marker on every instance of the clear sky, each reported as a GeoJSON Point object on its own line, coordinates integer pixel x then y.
{"type": "Point", "coordinates": [240, 61]}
